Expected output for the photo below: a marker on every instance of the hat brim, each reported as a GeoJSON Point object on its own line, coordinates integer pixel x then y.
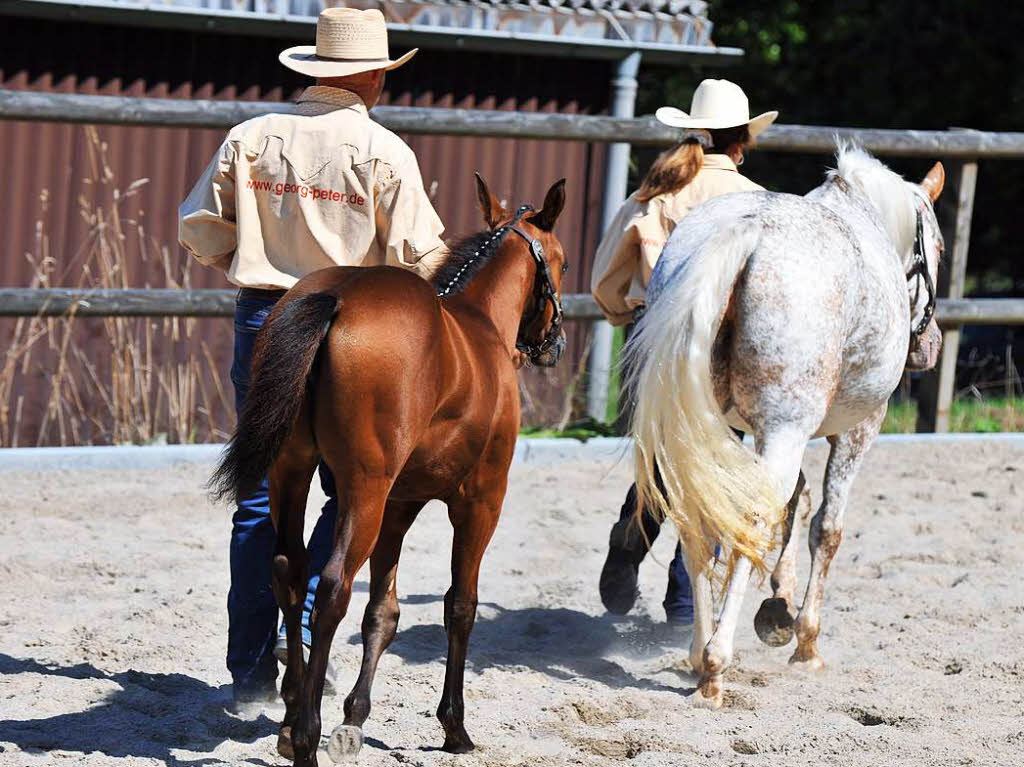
{"type": "Point", "coordinates": [303, 59]}
{"type": "Point", "coordinates": [677, 118]}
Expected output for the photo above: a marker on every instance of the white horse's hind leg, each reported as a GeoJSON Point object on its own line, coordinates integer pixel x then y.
{"type": "Point", "coordinates": [782, 454]}
{"type": "Point", "coordinates": [703, 612]}
{"type": "Point", "coordinates": [774, 620]}
{"type": "Point", "coordinates": [844, 460]}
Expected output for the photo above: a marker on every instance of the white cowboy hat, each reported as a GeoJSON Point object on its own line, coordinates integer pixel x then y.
{"type": "Point", "coordinates": [717, 104]}
{"type": "Point", "coordinates": [348, 41]}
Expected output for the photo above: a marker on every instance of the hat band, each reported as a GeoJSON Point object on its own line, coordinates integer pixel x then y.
{"type": "Point", "coordinates": [344, 60]}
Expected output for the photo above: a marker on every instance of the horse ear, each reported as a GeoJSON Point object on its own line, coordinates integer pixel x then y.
{"type": "Point", "coordinates": [493, 212]}
{"type": "Point", "coordinates": [554, 201]}
{"type": "Point", "coordinates": [934, 181]}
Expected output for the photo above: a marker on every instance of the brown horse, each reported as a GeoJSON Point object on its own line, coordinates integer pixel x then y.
{"type": "Point", "coordinates": [409, 393]}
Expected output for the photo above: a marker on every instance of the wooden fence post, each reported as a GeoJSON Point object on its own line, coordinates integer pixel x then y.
{"type": "Point", "coordinates": [957, 273]}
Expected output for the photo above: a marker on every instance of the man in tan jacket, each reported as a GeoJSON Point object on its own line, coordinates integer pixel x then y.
{"type": "Point", "coordinates": [286, 195]}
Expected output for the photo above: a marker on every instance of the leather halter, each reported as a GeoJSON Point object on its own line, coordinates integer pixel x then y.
{"type": "Point", "coordinates": [919, 268]}
{"type": "Point", "coordinates": [543, 290]}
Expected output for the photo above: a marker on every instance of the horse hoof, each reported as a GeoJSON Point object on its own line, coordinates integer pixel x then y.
{"type": "Point", "coordinates": [711, 703]}
{"type": "Point", "coordinates": [284, 743]}
{"type": "Point", "coordinates": [709, 694]}
{"type": "Point", "coordinates": [458, 746]}
{"type": "Point", "coordinates": [344, 743]}
{"type": "Point", "coordinates": [773, 623]}
{"type": "Point", "coordinates": [811, 663]}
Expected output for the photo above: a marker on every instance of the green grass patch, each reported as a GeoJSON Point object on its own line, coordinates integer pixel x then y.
{"type": "Point", "coordinates": [967, 415]}
{"type": "Point", "coordinates": [581, 430]}
{"type": "Point", "coordinates": [615, 378]}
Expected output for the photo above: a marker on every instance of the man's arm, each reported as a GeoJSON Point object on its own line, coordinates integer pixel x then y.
{"type": "Point", "coordinates": [206, 219]}
{"type": "Point", "coordinates": [408, 228]}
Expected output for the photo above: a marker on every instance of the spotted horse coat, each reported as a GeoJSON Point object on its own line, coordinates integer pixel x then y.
{"type": "Point", "coordinates": [788, 317]}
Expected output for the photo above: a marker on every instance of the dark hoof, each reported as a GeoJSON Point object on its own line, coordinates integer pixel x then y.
{"type": "Point", "coordinates": [462, 745]}
{"type": "Point", "coordinates": [345, 743]}
{"type": "Point", "coordinates": [284, 743]}
{"type": "Point", "coordinates": [773, 623]}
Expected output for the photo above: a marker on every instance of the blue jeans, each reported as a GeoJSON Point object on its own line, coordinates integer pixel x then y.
{"type": "Point", "coordinates": [678, 602]}
{"type": "Point", "coordinates": [252, 608]}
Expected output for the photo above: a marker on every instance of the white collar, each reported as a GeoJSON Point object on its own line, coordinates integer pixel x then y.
{"type": "Point", "coordinates": [719, 162]}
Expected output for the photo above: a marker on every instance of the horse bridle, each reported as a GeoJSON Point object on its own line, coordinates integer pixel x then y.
{"type": "Point", "coordinates": [543, 290]}
{"type": "Point", "coordinates": [919, 268]}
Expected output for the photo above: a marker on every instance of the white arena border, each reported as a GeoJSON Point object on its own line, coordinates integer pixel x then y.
{"type": "Point", "coordinates": [529, 450]}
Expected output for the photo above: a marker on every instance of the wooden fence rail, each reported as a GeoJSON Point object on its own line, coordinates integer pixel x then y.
{"type": "Point", "coordinates": [139, 302]}
{"type": "Point", "coordinates": [966, 146]}
{"type": "Point", "coordinates": [200, 113]}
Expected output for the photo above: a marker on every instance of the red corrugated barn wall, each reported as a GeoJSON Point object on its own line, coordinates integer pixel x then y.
{"type": "Point", "coordinates": [58, 162]}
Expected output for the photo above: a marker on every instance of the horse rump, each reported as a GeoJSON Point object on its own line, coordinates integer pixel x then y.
{"type": "Point", "coordinates": [283, 358]}
{"type": "Point", "coordinates": [689, 465]}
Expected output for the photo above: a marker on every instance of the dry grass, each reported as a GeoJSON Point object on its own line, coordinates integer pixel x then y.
{"type": "Point", "coordinates": [159, 380]}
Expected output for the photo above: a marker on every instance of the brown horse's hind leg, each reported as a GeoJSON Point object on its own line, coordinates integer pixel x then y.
{"type": "Point", "coordinates": [289, 486]}
{"type": "Point", "coordinates": [774, 620]}
{"type": "Point", "coordinates": [474, 523]}
{"type": "Point", "coordinates": [380, 622]}
{"type": "Point", "coordinates": [360, 509]}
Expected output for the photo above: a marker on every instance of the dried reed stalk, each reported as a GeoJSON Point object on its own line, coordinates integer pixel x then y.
{"type": "Point", "coordinates": [160, 379]}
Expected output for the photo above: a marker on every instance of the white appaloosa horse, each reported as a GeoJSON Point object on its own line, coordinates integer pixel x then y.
{"type": "Point", "coordinates": [789, 317]}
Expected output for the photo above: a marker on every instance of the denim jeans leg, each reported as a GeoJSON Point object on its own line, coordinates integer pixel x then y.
{"type": "Point", "coordinates": [252, 609]}
{"type": "Point", "coordinates": [679, 594]}
{"type": "Point", "coordinates": [321, 543]}
{"type": "Point", "coordinates": [651, 526]}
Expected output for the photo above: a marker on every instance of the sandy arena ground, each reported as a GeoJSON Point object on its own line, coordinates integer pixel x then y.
{"type": "Point", "coordinates": [113, 621]}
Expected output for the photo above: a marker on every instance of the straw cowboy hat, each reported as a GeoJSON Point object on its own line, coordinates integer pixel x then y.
{"type": "Point", "coordinates": [348, 41]}
{"type": "Point", "coordinates": [717, 104]}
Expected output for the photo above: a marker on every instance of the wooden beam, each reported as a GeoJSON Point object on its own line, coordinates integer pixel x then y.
{"type": "Point", "coordinates": [147, 302]}
{"type": "Point", "coordinates": [202, 113]}
{"type": "Point", "coordinates": [957, 276]}
{"type": "Point", "coordinates": [980, 311]}
{"type": "Point", "coordinates": [132, 302]}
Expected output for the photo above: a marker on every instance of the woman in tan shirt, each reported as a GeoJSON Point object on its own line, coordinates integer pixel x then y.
{"type": "Point", "coordinates": [703, 165]}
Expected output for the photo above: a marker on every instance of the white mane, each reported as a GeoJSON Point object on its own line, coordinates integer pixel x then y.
{"type": "Point", "coordinates": [887, 190]}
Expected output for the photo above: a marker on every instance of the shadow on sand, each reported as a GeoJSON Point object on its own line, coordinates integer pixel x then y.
{"type": "Point", "coordinates": [148, 716]}
{"type": "Point", "coordinates": [152, 715]}
{"type": "Point", "coordinates": [562, 643]}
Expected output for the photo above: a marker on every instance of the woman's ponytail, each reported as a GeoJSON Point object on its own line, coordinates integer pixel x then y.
{"type": "Point", "coordinates": [675, 167]}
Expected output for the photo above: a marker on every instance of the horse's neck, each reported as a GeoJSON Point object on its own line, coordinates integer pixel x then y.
{"type": "Point", "coordinates": [854, 207]}
{"type": "Point", "coordinates": [500, 290]}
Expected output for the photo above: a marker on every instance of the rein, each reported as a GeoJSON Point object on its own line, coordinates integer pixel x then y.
{"type": "Point", "coordinates": [543, 287]}
{"type": "Point", "coordinates": [919, 268]}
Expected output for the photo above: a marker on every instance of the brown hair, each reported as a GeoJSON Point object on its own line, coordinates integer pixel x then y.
{"type": "Point", "coordinates": [677, 167]}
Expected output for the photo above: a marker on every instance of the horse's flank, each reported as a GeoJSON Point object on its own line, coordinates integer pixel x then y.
{"type": "Point", "coordinates": [767, 309]}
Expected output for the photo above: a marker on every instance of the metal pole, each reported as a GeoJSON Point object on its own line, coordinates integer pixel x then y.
{"type": "Point", "coordinates": [957, 273]}
{"type": "Point", "coordinates": [623, 102]}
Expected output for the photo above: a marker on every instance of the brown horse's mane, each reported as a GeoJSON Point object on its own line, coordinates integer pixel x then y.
{"type": "Point", "coordinates": [468, 256]}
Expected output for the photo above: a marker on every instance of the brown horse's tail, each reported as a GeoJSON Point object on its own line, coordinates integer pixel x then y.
{"type": "Point", "coordinates": [283, 357]}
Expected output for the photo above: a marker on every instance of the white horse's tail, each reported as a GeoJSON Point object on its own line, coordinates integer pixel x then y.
{"type": "Point", "coordinates": [712, 487]}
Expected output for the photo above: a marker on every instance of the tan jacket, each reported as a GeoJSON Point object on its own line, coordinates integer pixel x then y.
{"type": "Point", "coordinates": [638, 233]}
{"type": "Point", "coordinates": [289, 194]}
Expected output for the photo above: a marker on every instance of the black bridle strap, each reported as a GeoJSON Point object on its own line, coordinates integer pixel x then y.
{"type": "Point", "coordinates": [919, 268]}
{"type": "Point", "coordinates": [544, 290]}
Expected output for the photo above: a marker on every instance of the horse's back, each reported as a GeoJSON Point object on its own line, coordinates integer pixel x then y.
{"type": "Point", "coordinates": [399, 371]}
{"type": "Point", "coordinates": [807, 333]}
